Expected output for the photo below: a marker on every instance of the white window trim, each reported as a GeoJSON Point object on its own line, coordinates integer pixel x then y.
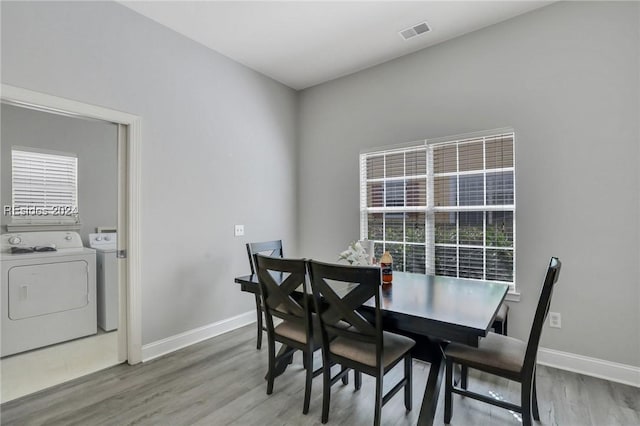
{"type": "Point", "coordinates": [513, 294]}
{"type": "Point", "coordinates": [46, 214]}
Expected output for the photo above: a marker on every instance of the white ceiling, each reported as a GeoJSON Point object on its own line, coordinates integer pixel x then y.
{"type": "Point", "coordinates": [305, 43]}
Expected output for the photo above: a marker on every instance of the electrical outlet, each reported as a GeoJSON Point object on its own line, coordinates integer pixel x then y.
{"type": "Point", "coordinates": [239, 230]}
{"type": "Point", "coordinates": [555, 320]}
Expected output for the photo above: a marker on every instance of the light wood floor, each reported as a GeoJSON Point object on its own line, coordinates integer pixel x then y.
{"type": "Point", "coordinates": [221, 382]}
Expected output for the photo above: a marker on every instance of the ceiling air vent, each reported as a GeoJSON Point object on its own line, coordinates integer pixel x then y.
{"type": "Point", "coordinates": [415, 30]}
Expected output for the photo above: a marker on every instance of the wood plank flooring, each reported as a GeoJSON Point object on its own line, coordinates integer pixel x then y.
{"type": "Point", "coordinates": [221, 382]}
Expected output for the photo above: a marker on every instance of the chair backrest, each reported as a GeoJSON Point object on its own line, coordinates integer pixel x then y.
{"type": "Point", "coordinates": [338, 291]}
{"type": "Point", "coordinates": [541, 314]}
{"type": "Point", "coordinates": [270, 248]}
{"type": "Point", "coordinates": [280, 281]}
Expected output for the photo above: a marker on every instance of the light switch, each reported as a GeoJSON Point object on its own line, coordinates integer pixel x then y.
{"type": "Point", "coordinates": [239, 230]}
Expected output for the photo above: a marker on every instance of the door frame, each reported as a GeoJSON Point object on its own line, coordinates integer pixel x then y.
{"type": "Point", "coordinates": [133, 140]}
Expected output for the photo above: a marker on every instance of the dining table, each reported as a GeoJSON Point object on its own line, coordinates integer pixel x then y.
{"type": "Point", "coordinates": [433, 310]}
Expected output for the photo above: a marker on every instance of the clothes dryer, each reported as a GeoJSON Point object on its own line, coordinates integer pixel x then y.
{"type": "Point", "coordinates": [48, 290]}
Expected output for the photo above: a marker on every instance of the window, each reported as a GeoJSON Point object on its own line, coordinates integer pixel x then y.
{"type": "Point", "coordinates": [44, 187]}
{"type": "Point", "coordinates": [445, 207]}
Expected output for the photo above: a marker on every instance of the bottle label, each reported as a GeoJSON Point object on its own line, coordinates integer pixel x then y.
{"type": "Point", "coordinates": [387, 271]}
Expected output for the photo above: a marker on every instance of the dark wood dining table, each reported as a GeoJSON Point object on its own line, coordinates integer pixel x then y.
{"type": "Point", "coordinates": [432, 310]}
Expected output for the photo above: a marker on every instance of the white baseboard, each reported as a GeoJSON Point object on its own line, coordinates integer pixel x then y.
{"type": "Point", "coordinates": [182, 340]}
{"type": "Point", "coordinates": [612, 371]}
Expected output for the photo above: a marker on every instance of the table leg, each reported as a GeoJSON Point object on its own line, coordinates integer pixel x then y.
{"type": "Point", "coordinates": [432, 391]}
{"type": "Point", "coordinates": [283, 361]}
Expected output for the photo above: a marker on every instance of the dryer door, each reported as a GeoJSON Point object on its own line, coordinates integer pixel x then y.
{"type": "Point", "coordinates": [43, 289]}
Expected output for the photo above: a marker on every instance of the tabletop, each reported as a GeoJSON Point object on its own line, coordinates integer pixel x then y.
{"type": "Point", "coordinates": [449, 308]}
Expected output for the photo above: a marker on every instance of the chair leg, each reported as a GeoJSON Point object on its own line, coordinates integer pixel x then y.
{"type": "Point", "coordinates": [308, 356]}
{"type": "Point", "coordinates": [408, 387]}
{"type": "Point", "coordinates": [504, 326]}
{"type": "Point", "coordinates": [357, 378]}
{"type": "Point", "coordinates": [272, 365]}
{"type": "Point", "coordinates": [525, 402]}
{"type": "Point", "coordinates": [260, 326]}
{"type": "Point", "coordinates": [534, 400]}
{"type": "Point", "coordinates": [326, 389]}
{"type": "Point", "coordinates": [345, 378]}
{"type": "Point", "coordinates": [448, 386]}
{"type": "Point", "coordinates": [378, 402]}
{"type": "Point", "coordinates": [464, 375]}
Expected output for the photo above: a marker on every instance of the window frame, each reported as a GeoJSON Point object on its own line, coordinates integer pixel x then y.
{"type": "Point", "coordinates": [430, 209]}
{"type": "Point", "coordinates": [45, 212]}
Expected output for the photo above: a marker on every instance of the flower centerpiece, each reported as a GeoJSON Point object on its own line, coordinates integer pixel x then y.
{"type": "Point", "coordinates": [356, 255]}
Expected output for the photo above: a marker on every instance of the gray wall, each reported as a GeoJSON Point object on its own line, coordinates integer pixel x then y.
{"type": "Point", "coordinates": [94, 142]}
{"type": "Point", "coordinates": [565, 77]}
{"type": "Point", "coordinates": [219, 145]}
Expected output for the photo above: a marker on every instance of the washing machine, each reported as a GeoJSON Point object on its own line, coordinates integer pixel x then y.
{"type": "Point", "coordinates": [48, 290]}
{"type": "Point", "coordinates": [106, 245]}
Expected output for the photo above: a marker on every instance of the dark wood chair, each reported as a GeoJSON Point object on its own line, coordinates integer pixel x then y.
{"type": "Point", "coordinates": [349, 339]}
{"type": "Point", "coordinates": [280, 281]}
{"type": "Point", "coordinates": [272, 249]}
{"type": "Point", "coordinates": [505, 357]}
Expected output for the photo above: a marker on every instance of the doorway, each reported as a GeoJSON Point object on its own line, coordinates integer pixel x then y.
{"type": "Point", "coordinates": [58, 363]}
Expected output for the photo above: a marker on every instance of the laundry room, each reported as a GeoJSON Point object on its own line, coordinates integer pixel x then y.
{"type": "Point", "coordinates": [59, 304]}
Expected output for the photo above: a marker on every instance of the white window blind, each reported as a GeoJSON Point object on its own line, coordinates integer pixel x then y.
{"type": "Point", "coordinates": [44, 187]}
{"type": "Point", "coordinates": [445, 208]}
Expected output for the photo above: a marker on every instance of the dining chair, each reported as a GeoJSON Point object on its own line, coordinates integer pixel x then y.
{"type": "Point", "coordinates": [338, 291]}
{"type": "Point", "coordinates": [280, 280]}
{"type": "Point", "coordinates": [506, 357]}
{"type": "Point", "coordinates": [270, 248]}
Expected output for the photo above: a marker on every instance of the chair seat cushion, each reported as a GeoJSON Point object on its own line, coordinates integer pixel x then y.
{"type": "Point", "coordinates": [394, 347]}
{"type": "Point", "coordinates": [496, 351]}
{"type": "Point", "coordinates": [291, 330]}
{"type": "Point", "coordinates": [502, 313]}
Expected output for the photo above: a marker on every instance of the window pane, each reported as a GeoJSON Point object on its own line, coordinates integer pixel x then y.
{"type": "Point", "coordinates": [395, 165]}
{"type": "Point", "coordinates": [394, 227]}
{"type": "Point", "coordinates": [446, 259]}
{"type": "Point", "coordinates": [416, 163]}
{"type": "Point", "coordinates": [415, 231]}
{"type": "Point", "coordinates": [500, 229]}
{"type": "Point", "coordinates": [470, 156]}
{"type": "Point", "coordinates": [397, 253]}
{"type": "Point", "coordinates": [500, 265]}
{"type": "Point", "coordinates": [471, 190]}
{"type": "Point", "coordinates": [374, 226]}
{"type": "Point", "coordinates": [500, 188]}
{"type": "Point", "coordinates": [471, 263]}
{"type": "Point", "coordinates": [499, 152]}
{"type": "Point", "coordinates": [445, 228]}
{"type": "Point", "coordinates": [444, 191]}
{"type": "Point", "coordinates": [470, 228]}
{"type": "Point", "coordinates": [375, 167]}
{"type": "Point", "coordinates": [375, 194]}
{"type": "Point", "coordinates": [378, 250]}
{"type": "Point", "coordinates": [395, 194]}
{"type": "Point", "coordinates": [416, 192]}
{"type": "Point", "coordinates": [445, 159]}
{"type": "Point", "coordinates": [415, 258]}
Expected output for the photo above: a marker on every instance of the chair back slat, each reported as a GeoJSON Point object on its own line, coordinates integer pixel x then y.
{"type": "Point", "coordinates": [280, 281]}
{"type": "Point", "coordinates": [338, 291]}
{"type": "Point", "coordinates": [551, 278]}
{"type": "Point", "coordinates": [269, 248]}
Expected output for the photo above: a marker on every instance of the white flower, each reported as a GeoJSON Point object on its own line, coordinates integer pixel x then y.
{"type": "Point", "coordinates": [355, 255]}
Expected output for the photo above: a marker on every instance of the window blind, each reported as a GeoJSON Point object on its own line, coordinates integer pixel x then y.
{"type": "Point", "coordinates": [445, 208]}
{"type": "Point", "coordinates": [44, 187]}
